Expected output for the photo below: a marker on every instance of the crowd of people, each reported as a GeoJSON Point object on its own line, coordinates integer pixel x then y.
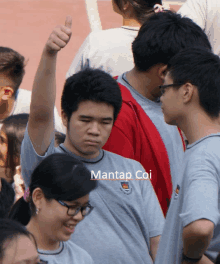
{"type": "Point", "coordinates": [130, 172]}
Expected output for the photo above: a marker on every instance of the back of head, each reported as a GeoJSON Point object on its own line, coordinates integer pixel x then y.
{"type": "Point", "coordinates": [8, 231]}
{"type": "Point", "coordinates": [60, 177]}
{"type": "Point", "coordinates": [142, 8]}
{"type": "Point", "coordinates": [12, 66]}
{"type": "Point", "coordinates": [90, 85]}
{"type": "Point", "coordinates": [14, 127]}
{"type": "Point", "coordinates": [162, 36]}
{"type": "Point", "coordinates": [7, 196]}
{"type": "Point", "coordinates": [201, 68]}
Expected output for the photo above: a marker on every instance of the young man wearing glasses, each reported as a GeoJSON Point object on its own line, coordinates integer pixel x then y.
{"type": "Point", "coordinates": [140, 132]}
{"type": "Point", "coordinates": [126, 222]}
{"type": "Point", "coordinates": [191, 101]}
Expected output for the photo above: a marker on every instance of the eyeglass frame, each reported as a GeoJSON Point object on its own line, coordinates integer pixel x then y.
{"type": "Point", "coordinates": [163, 87]}
{"type": "Point", "coordinates": [78, 208]}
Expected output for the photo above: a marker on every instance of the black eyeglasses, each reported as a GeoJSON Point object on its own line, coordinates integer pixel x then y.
{"type": "Point", "coordinates": [74, 210]}
{"type": "Point", "coordinates": [163, 87]}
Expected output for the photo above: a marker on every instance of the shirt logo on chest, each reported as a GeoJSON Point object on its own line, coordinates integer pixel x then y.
{"type": "Point", "coordinates": [177, 192]}
{"type": "Point", "coordinates": [126, 187]}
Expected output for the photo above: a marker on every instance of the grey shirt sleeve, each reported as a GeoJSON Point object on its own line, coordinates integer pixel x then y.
{"type": "Point", "coordinates": [154, 215]}
{"type": "Point", "coordinates": [30, 159]}
{"type": "Point", "coordinates": [201, 196]}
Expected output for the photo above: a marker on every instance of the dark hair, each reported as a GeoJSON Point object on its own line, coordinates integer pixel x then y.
{"type": "Point", "coordinates": [142, 8]}
{"type": "Point", "coordinates": [164, 35]}
{"type": "Point", "coordinates": [59, 138]}
{"type": "Point", "coordinates": [7, 196]}
{"type": "Point", "coordinates": [217, 261]}
{"type": "Point", "coordinates": [10, 230]}
{"type": "Point", "coordinates": [90, 85]}
{"type": "Point", "coordinates": [61, 177]}
{"type": "Point", "coordinates": [12, 66]}
{"type": "Point", "coordinates": [201, 68]}
{"type": "Point", "coordinates": [14, 127]}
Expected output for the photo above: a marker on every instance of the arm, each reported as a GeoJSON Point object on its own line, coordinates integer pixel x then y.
{"type": "Point", "coordinates": [41, 120]}
{"type": "Point", "coordinates": [196, 238]}
{"type": "Point", "coordinates": [154, 243]}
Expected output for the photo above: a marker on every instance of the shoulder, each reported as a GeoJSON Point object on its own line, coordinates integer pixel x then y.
{"type": "Point", "coordinates": [112, 35]}
{"type": "Point", "coordinates": [82, 255]}
{"type": "Point", "coordinates": [122, 160]}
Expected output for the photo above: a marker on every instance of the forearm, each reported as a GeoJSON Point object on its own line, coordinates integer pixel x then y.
{"type": "Point", "coordinates": [44, 88]}
{"type": "Point", "coordinates": [196, 238]}
{"type": "Point", "coordinates": [154, 243]}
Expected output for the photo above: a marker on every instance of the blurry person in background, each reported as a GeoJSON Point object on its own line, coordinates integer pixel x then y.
{"type": "Point", "coordinates": [17, 245]}
{"type": "Point", "coordinates": [7, 196]}
{"type": "Point", "coordinates": [13, 99]}
{"type": "Point", "coordinates": [110, 50]}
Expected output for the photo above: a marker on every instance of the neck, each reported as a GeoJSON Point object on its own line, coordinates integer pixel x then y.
{"type": "Point", "coordinates": [130, 22]}
{"type": "Point", "coordinates": [6, 107]}
{"type": "Point", "coordinates": [44, 242]}
{"type": "Point", "coordinates": [142, 83]}
{"type": "Point", "coordinates": [199, 125]}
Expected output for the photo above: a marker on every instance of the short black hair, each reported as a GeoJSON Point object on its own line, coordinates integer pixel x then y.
{"type": "Point", "coordinates": [12, 65]}
{"type": "Point", "coordinates": [201, 68]}
{"type": "Point", "coordinates": [90, 85]}
{"type": "Point", "coordinates": [162, 36]}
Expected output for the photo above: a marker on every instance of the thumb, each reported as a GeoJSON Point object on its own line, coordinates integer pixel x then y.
{"type": "Point", "coordinates": [68, 22]}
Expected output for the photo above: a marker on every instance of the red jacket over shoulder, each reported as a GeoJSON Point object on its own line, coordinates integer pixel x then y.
{"type": "Point", "coordinates": [135, 136]}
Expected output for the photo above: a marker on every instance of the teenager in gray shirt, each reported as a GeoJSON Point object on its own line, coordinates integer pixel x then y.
{"type": "Point", "coordinates": [127, 220]}
{"type": "Point", "coordinates": [191, 100]}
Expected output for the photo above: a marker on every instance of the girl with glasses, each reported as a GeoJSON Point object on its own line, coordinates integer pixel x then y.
{"type": "Point", "coordinates": [56, 201]}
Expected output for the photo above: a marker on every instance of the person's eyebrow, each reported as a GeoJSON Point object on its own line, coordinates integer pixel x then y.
{"type": "Point", "coordinates": [102, 118]}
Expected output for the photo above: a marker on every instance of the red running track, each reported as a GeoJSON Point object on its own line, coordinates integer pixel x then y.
{"type": "Point", "coordinates": [25, 26]}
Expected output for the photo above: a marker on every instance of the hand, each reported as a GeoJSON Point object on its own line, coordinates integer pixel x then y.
{"type": "Point", "coordinates": [59, 37]}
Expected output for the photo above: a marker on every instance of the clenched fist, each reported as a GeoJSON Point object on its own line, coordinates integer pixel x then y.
{"type": "Point", "coordinates": [59, 37]}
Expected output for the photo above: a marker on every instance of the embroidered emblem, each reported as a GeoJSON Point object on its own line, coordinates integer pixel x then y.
{"type": "Point", "coordinates": [177, 192]}
{"type": "Point", "coordinates": [126, 187]}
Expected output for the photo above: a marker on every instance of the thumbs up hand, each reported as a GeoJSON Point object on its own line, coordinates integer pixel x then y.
{"type": "Point", "coordinates": [59, 37]}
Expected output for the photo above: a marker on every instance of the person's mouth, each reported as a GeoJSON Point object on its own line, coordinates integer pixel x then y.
{"type": "Point", "coordinates": [70, 228]}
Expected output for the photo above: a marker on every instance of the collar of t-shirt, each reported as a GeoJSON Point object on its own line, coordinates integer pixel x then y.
{"type": "Point", "coordinates": [94, 160]}
{"type": "Point", "coordinates": [52, 252]}
{"type": "Point", "coordinates": [201, 139]}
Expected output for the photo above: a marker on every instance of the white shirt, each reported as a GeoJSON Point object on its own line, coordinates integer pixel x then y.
{"type": "Point", "coordinates": [109, 50]}
{"type": "Point", "coordinates": [205, 13]}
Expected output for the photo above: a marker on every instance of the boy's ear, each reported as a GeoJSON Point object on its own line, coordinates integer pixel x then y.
{"type": "Point", "coordinates": [6, 93]}
{"type": "Point", "coordinates": [162, 70]}
{"type": "Point", "coordinates": [64, 118]}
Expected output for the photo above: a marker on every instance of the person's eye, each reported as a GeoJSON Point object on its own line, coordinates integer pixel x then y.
{"type": "Point", "coordinates": [85, 120]}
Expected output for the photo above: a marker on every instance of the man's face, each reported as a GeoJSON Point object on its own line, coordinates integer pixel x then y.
{"type": "Point", "coordinates": [171, 102]}
{"type": "Point", "coordinates": [89, 128]}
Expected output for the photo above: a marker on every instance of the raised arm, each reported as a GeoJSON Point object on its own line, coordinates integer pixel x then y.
{"type": "Point", "coordinates": [41, 120]}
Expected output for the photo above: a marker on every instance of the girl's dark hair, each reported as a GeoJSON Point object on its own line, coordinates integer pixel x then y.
{"type": "Point", "coordinates": [14, 127]}
{"type": "Point", "coordinates": [9, 230]}
{"type": "Point", "coordinates": [7, 196]}
{"type": "Point", "coordinates": [142, 8]}
{"type": "Point", "coordinates": [60, 177]}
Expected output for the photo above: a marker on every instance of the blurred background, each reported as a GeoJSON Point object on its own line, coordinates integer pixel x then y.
{"type": "Point", "coordinates": [25, 26]}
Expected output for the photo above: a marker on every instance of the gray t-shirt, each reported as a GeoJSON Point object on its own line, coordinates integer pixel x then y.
{"type": "Point", "coordinates": [126, 213]}
{"type": "Point", "coordinates": [67, 253]}
{"type": "Point", "coordinates": [169, 134]}
{"type": "Point", "coordinates": [196, 196]}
